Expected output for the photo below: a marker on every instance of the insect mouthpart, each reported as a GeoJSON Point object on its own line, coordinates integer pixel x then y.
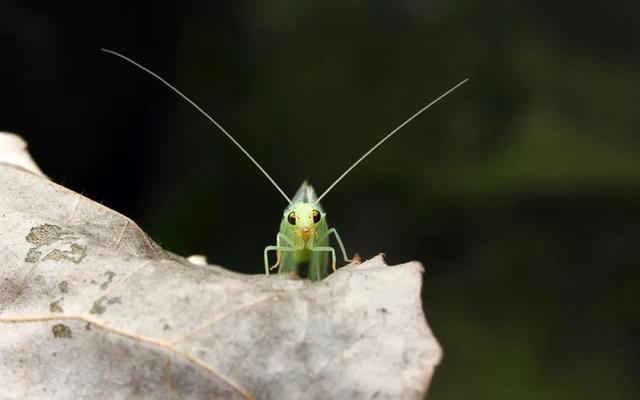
{"type": "Point", "coordinates": [305, 232]}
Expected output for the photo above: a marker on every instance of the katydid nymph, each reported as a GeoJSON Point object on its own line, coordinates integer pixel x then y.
{"type": "Point", "coordinates": [304, 232]}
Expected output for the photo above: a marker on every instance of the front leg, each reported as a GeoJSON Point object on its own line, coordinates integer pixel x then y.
{"type": "Point", "coordinates": [281, 236]}
{"type": "Point", "coordinates": [327, 248]}
{"type": "Point", "coordinates": [278, 249]}
{"type": "Point", "coordinates": [344, 252]}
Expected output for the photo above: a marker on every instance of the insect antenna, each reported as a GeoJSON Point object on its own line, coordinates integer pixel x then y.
{"type": "Point", "coordinates": [246, 153]}
{"type": "Point", "coordinates": [384, 139]}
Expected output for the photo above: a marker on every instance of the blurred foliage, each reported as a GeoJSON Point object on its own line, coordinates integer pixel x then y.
{"type": "Point", "coordinates": [520, 192]}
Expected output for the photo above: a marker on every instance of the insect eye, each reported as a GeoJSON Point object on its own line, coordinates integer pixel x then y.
{"type": "Point", "coordinates": [292, 218]}
{"type": "Point", "coordinates": [316, 216]}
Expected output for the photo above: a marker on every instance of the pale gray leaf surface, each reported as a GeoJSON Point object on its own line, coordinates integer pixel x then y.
{"type": "Point", "coordinates": [91, 307]}
{"type": "Point", "coordinates": [13, 150]}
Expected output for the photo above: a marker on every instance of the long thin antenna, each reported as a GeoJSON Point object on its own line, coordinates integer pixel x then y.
{"type": "Point", "coordinates": [246, 153]}
{"type": "Point", "coordinates": [384, 139]}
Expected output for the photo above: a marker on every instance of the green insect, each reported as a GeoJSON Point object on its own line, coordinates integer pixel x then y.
{"type": "Point", "coordinates": [304, 237]}
{"type": "Point", "coordinates": [304, 232]}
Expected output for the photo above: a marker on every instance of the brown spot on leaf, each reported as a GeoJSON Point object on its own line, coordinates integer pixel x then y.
{"type": "Point", "coordinates": [61, 331]}
{"type": "Point", "coordinates": [45, 234]}
{"type": "Point", "coordinates": [114, 300]}
{"type": "Point", "coordinates": [75, 255]}
{"type": "Point", "coordinates": [109, 275]}
{"type": "Point", "coordinates": [63, 286]}
{"type": "Point", "coordinates": [55, 306]}
{"type": "Point", "coordinates": [10, 290]}
{"type": "Point", "coordinates": [98, 308]}
{"type": "Point", "coordinates": [33, 255]}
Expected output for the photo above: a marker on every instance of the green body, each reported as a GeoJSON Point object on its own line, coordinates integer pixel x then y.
{"type": "Point", "coordinates": [303, 238]}
{"type": "Point", "coordinates": [318, 262]}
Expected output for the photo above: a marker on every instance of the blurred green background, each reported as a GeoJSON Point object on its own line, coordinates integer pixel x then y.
{"type": "Point", "coordinates": [520, 192]}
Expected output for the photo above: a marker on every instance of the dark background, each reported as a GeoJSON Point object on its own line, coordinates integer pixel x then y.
{"type": "Point", "coordinates": [520, 192]}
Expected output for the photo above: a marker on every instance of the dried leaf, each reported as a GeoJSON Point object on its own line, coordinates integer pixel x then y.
{"type": "Point", "coordinates": [90, 307]}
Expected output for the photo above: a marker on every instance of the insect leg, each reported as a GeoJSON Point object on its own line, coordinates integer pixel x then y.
{"type": "Point", "coordinates": [275, 248]}
{"type": "Point", "coordinates": [344, 252]}
{"type": "Point", "coordinates": [288, 241]}
{"type": "Point", "coordinates": [327, 248]}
